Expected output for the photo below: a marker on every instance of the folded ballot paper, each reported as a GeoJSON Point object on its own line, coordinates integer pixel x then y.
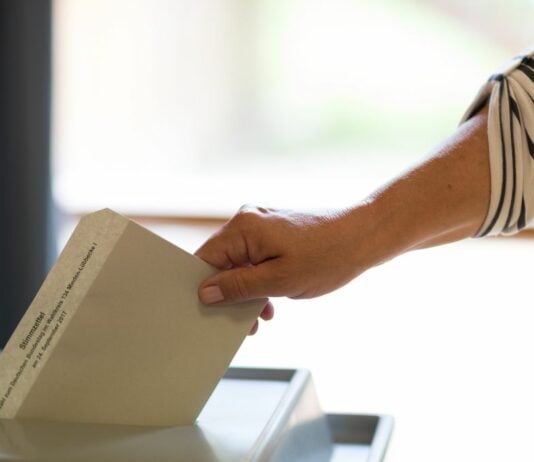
{"type": "Point", "coordinates": [117, 334]}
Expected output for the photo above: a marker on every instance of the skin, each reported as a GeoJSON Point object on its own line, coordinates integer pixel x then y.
{"type": "Point", "coordinates": [272, 253]}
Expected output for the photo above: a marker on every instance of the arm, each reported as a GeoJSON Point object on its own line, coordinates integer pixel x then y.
{"type": "Point", "coordinates": [444, 198]}
{"type": "Point", "coordinates": [266, 252]}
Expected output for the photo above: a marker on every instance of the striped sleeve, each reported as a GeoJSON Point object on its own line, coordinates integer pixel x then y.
{"type": "Point", "coordinates": [510, 94]}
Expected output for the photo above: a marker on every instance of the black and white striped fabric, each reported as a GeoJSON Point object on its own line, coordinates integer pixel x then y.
{"type": "Point", "coordinates": [510, 93]}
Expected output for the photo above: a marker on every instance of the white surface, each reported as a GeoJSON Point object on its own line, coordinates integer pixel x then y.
{"type": "Point", "coordinates": [350, 453]}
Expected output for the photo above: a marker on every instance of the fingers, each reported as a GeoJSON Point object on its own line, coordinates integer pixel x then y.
{"type": "Point", "coordinates": [224, 250]}
{"type": "Point", "coordinates": [240, 284]}
{"type": "Point", "coordinates": [267, 314]}
{"type": "Point", "coordinates": [255, 328]}
{"type": "Point", "coordinates": [240, 241]}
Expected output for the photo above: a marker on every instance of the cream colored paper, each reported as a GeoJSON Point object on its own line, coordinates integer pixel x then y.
{"type": "Point", "coordinates": [117, 334]}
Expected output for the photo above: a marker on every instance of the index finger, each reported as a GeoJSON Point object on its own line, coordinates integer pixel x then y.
{"type": "Point", "coordinates": [226, 249]}
{"type": "Point", "coordinates": [212, 252]}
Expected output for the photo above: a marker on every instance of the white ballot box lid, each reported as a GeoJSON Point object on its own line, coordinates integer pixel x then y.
{"type": "Point", "coordinates": [253, 415]}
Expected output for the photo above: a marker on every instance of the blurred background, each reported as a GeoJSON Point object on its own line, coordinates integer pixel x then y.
{"type": "Point", "coordinates": [192, 108]}
{"type": "Point", "coordinates": [178, 112]}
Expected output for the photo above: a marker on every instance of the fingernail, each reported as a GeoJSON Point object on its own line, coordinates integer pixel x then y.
{"type": "Point", "coordinates": [211, 294]}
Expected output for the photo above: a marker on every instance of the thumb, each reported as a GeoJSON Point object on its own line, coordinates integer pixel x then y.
{"type": "Point", "coordinates": [240, 284]}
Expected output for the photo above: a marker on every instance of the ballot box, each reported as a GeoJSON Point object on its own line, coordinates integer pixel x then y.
{"type": "Point", "coordinates": [253, 415]}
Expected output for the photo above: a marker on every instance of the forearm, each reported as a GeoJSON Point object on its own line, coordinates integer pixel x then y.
{"type": "Point", "coordinates": [283, 253]}
{"type": "Point", "coordinates": [443, 199]}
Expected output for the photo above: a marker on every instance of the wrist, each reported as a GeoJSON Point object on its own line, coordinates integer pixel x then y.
{"type": "Point", "coordinates": [370, 234]}
{"type": "Point", "coordinates": [383, 227]}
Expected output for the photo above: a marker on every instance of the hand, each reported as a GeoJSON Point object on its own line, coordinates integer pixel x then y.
{"type": "Point", "coordinates": [266, 252]}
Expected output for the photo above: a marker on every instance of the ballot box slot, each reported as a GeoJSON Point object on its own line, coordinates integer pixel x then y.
{"type": "Point", "coordinates": [360, 438]}
{"type": "Point", "coordinates": [250, 373]}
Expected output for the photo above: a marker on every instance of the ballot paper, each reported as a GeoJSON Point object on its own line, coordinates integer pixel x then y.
{"type": "Point", "coordinates": [117, 334]}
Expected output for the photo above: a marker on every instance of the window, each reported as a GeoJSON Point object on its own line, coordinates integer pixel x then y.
{"type": "Point", "coordinates": [192, 108]}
